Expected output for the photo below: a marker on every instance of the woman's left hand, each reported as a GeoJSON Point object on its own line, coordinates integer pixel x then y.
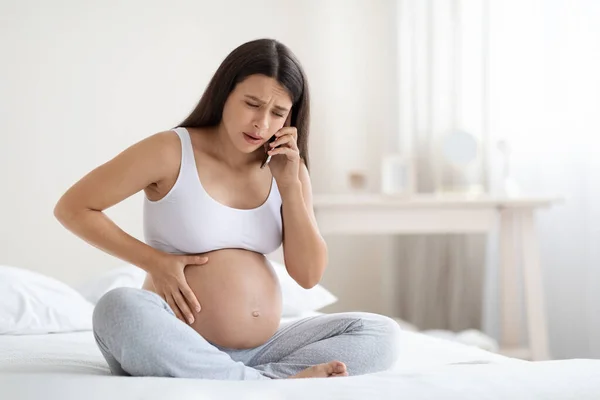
{"type": "Point", "coordinates": [285, 160]}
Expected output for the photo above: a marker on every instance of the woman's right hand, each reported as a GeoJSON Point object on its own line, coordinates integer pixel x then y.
{"type": "Point", "coordinates": [170, 283]}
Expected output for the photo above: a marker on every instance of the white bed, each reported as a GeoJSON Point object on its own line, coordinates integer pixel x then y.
{"type": "Point", "coordinates": [38, 364]}
{"type": "Point", "coordinates": [69, 366]}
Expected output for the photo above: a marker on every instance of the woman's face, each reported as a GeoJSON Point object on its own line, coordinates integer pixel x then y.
{"type": "Point", "coordinates": [256, 108]}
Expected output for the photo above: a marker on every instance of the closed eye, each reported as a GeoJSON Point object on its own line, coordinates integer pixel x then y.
{"type": "Point", "coordinates": [254, 105]}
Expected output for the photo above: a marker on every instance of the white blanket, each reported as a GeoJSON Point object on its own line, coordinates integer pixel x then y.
{"type": "Point", "coordinates": [70, 366]}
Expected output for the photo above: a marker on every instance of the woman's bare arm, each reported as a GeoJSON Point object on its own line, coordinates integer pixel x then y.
{"type": "Point", "coordinates": [80, 209]}
{"type": "Point", "coordinates": [304, 249]}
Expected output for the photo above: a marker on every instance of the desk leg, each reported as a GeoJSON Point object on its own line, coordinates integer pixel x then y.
{"type": "Point", "coordinates": [534, 294]}
{"type": "Point", "coordinates": [509, 279]}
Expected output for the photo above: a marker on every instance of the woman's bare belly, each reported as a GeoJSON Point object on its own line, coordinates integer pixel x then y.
{"type": "Point", "coordinates": [240, 297]}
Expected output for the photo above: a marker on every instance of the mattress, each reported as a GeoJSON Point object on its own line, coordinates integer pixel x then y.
{"type": "Point", "coordinates": [70, 366]}
{"type": "Point", "coordinates": [78, 353]}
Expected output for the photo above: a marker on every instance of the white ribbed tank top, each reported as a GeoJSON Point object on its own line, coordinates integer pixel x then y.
{"type": "Point", "coordinates": [188, 220]}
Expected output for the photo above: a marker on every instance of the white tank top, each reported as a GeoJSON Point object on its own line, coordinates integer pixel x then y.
{"type": "Point", "coordinates": [188, 220]}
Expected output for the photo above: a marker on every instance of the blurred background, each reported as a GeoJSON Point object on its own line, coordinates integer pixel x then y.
{"type": "Point", "coordinates": [476, 97]}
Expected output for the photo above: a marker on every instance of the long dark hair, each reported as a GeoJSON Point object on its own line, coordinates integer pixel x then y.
{"type": "Point", "coordinates": [263, 56]}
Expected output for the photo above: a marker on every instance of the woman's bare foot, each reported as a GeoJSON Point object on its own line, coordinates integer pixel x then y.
{"type": "Point", "coordinates": [330, 369]}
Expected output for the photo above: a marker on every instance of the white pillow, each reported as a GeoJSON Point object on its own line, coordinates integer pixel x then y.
{"type": "Point", "coordinates": [32, 303]}
{"type": "Point", "coordinates": [296, 299]}
{"type": "Point", "coordinates": [126, 276]}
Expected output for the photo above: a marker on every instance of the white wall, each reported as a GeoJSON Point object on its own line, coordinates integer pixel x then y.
{"type": "Point", "coordinates": [83, 80]}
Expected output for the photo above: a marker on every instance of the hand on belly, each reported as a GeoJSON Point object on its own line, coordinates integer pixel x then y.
{"type": "Point", "coordinates": [240, 297]}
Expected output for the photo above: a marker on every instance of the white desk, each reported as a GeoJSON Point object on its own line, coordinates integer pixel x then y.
{"type": "Point", "coordinates": [423, 214]}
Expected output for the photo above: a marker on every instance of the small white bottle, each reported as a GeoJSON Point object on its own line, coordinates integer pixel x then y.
{"type": "Point", "coordinates": [396, 175]}
{"type": "Point", "coordinates": [509, 187]}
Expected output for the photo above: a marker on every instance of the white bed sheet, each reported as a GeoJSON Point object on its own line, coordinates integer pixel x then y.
{"type": "Point", "coordinates": [70, 366]}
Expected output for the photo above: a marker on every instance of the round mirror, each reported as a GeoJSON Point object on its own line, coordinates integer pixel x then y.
{"type": "Point", "coordinates": [460, 148]}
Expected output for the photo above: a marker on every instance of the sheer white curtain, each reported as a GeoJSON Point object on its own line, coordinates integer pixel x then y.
{"type": "Point", "coordinates": [524, 71]}
{"type": "Point", "coordinates": [545, 100]}
{"type": "Point", "coordinates": [442, 89]}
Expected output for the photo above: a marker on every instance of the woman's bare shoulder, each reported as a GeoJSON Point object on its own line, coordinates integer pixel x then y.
{"type": "Point", "coordinates": [142, 164]}
{"type": "Point", "coordinates": [165, 144]}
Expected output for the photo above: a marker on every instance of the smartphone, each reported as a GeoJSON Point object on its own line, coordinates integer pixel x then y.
{"type": "Point", "coordinates": [267, 156]}
{"type": "Point", "coordinates": [267, 147]}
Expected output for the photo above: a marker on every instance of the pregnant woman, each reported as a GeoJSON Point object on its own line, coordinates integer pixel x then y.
{"type": "Point", "coordinates": [213, 207]}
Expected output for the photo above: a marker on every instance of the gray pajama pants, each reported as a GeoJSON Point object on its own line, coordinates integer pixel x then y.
{"type": "Point", "coordinates": [139, 335]}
